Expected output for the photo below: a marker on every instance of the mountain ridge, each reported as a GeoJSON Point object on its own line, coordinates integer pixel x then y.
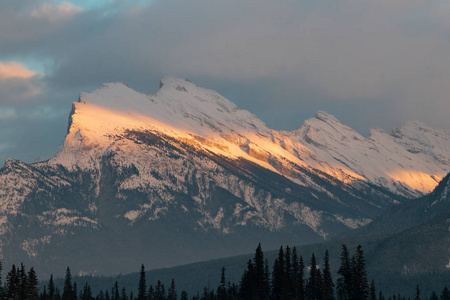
{"type": "Point", "coordinates": [185, 164]}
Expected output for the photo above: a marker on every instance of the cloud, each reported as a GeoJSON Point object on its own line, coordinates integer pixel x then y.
{"type": "Point", "coordinates": [17, 83]}
{"type": "Point", "coordinates": [55, 13]}
{"type": "Point", "coordinates": [14, 70]}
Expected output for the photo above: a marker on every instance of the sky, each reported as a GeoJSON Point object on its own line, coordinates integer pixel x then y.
{"type": "Point", "coordinates": [371, 64]}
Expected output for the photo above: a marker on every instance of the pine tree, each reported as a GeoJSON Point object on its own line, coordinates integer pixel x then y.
{"type": "Point", "coordinates": [295, 273]}
{"type": "Point", "coordinates": [74, 291]}
{"type": "Point", "coordinates": [23, 283]}
{"type": "Point", "coordinates": [142, 288]}
{"type": "Point", "coordinates": [86, 294]}
{"type": "Point", "coordinates": [248, 286]}
{"type": "Point", "coordinates": [259, 276]}
{"type": "Point", "coordinates": [328, 285]}
{"type": "Point", "coordinates": [43, 295]}
{"type": "Point", "coordinates": [343, 286]}
{"type": "Point", "coordinates": [360, 285]}
{"type": "Point", "coordinates": [32, 285]}
{"type": "Point", "coordinates": [172, 293]}
{"type": "Point", "coordinates": [266, 281]}
{"type": "Point", "coordinates": [124, 294]}
{"type": "Point", "coordinates": [222, 289]}
{"type": "Point", "coordinates": [313, 291]}
{"type": "Point", "coordinates": [68, 290]}
{"type": "Point", "coordinates": [301, 280]}
{"type": "Point", "coordinates": [278, 276]}
{"type": "Point", "coordinates": [288, 278]}
{"type": "Point", "coordinates": [373, 292]}
{"type": "Point", "coordinates": [160, 292]}
{"type": "Point", "coordinates": [151, 293]}
{"type": "Point", "coordinates": [51, 288]}
{"type": "Point", "coordinates": [116, 294]}
{"type": "Point", "coordinates": [12, 283]}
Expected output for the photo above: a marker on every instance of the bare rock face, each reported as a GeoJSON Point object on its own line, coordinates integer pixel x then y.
{"type": "Point", "coordinates": [184, 175]}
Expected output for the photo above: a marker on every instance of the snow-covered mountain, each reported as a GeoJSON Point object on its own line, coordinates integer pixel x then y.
{"type": "Point", "coordinates": [184, 175]}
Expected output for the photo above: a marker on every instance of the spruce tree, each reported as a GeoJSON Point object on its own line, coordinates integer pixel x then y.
{"type": "Point", "coordinates": [160, 292]}
{"type": "Point", "coordinates": [373, 292]}
{"type": "Point", "coordinates": [328, 285]}
{"type": "Point", "coordinates": [86, 294]}
{"type": "Point", "coordinates": [51, 288]}
{"type": "Point", "coordinates": [259, 272]}
{"type": "Point", "coordinates": [222, 289]}
{"type": "Point", "coordinates": [116, 294]}
{"type": "Point", "coordinates": [301, 280]}
{"type": "Point", "coordinates": [360, 285]}
{"type": "Point", "coordinates": [74, 291]}
{"type": "Point", "coordinates": [43, 295]}
{"type": "Point", "coordinates": [295, 273]}
{"type": "Point", "coordinates": [68, 290]}
{"type": "Point", "coordinates": [124, 294]}
{"type": "Point", "coordinates": [288, 280]}
{"type": "Point", "coordinates": [23, 283]}
{"type": "Point", "coordinates": [278, 276]}
{"type": "Point", "coordinates": [142, 288]}
{"type": "Point", "coordinates": [12, 284]}
{"type": "Point", "coordinates": [172, 293]}
{"type": "Point", "coordinates": [266, 281]}
{"type": "Point", "coordinates": [32, 286]}
{"type": "Point", "coordinates": [151, 293]}
{"type": "Point", "coordinates": [248, 286]}
{"type": "Point", "coordinates": [343, 286]}
{"type": "Point", "coordinates": [313, 286]}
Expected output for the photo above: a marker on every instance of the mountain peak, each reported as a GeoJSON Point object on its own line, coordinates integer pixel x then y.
{"type": "Point", "coordinates": [176, 83]}
{"type": "Point", "coordinates": [326, 117]}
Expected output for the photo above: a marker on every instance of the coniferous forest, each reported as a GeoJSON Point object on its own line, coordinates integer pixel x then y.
{"type": "Point", "coordinates": [289, 278]}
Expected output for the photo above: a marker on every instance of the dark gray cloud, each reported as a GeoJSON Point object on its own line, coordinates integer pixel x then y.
{"type": "Point", "coordinates": [370, 63]}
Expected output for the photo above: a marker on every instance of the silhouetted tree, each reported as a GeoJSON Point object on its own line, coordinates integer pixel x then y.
{"type": "Point", "coordinates": [343, 286]}
{"type": "Point", "coordinates": [328, 285]}
{"type": "Point", "coordinates": [172, 293]}
{"type": "Point", "coordinates": [68, 289]}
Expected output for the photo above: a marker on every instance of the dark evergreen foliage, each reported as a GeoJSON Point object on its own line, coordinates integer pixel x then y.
{"type": "Point", "coordinates": [328, 285]}
{"type": "Point", "coordinates": [68, 288]}
{"type": "Point", "coordinates": [343, 287]}
{"type": "Point", "coordinates": [142, 288]}
{"type": "Point", "coordinates": [287, 283]}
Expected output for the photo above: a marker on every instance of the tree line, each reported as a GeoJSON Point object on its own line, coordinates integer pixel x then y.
{"type": "Point", "coordinates": [290, 278]}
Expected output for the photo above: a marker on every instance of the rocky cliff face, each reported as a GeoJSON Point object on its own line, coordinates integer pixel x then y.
{"type": "Point", "coordinates": [184, 175]}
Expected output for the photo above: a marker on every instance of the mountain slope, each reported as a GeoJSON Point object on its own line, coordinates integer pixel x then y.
{"type": "Point", "coordinates": [184, 175]}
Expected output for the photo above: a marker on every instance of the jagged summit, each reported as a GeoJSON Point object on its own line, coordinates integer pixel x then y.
{"type": "Point", "coordinates": [409, 162]}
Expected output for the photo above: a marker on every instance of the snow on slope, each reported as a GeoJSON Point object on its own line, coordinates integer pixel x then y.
{"type": "Point", "coordinates": [411, 161]}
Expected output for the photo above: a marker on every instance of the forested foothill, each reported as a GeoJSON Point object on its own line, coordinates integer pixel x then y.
{"type": "Point", "coordinates": [290, 276]}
